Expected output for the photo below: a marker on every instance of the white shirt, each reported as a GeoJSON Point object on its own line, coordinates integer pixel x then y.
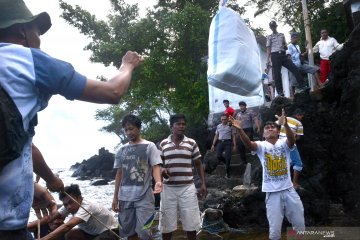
{"type": "Point", "coordinates": [90, 225]}
{"type": "Point", "coordinates": [327, 47]}
{"type": "Point", "coordinates": [275, 160]}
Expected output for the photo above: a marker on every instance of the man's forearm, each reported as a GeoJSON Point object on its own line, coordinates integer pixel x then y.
{"type": "Point", "coordinates": [157, 173]}
{"type": "Point", "coordinates": [117, 182]}
{"type": "Point", "coordinates": [215, 140]}
{"type": "Point", "coordinates": [40, 167]}
{"type": "Point", "coordinates": [122, 80]}
{"type": "Point", "coordinates": [244, 138]}
{"type": "Point", "coordinates": [200, 170]}
{"type": "Point", "coordinates": [289, 134]}
{"type": "Point", "coordinates": [268, 50]}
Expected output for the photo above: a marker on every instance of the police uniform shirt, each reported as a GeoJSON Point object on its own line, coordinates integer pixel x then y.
{"type": "Point", "coordinates": [276, 42]}
{"type": "Point", "coordinates": [225, 131]}
{"type": "Point", "coordinates": [247, 118]}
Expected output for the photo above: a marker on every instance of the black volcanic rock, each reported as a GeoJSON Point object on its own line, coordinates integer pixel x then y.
{"type": "Point", "coordinates": [99, 182]}
{"type": "Point", "coordinates": [98, 166]}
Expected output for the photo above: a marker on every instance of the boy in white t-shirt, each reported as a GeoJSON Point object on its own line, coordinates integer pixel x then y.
{"type": "Point", "coordinates": [274, 154]}
{"type": "Point", "coordinates": [89, 220]}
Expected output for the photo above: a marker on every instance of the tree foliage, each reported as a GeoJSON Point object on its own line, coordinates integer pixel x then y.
{"type": "Point", "coordinates": [173, 38]}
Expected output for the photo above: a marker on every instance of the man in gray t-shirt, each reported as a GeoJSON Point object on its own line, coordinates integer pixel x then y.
{"type": "Point", "coordinates": [135, 162]}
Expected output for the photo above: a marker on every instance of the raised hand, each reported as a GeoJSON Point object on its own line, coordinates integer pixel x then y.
{"type": "Point", "coordinates": [132, 58]}
{"type": "Point", "coordinates": [282, 119]}
{"type": "Point", "coordinates": [235, 123]}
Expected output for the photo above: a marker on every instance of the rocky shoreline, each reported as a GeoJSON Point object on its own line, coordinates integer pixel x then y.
{"type": "Point", "coordinates": [98, 167]}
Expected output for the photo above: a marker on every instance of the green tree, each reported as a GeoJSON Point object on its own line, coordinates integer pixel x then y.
{"type": "Point", "coordinates": [173, 38]}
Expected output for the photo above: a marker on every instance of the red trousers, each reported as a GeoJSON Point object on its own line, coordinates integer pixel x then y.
{"type": "Point", "coordinates": [324, 70]}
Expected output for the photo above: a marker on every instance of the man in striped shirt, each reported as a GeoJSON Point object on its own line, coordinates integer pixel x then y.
{"type": "Point", "coordinates": [178, 153]}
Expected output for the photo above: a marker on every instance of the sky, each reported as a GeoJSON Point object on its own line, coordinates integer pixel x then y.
{"type": "Point", "coordinates": [67, 131]}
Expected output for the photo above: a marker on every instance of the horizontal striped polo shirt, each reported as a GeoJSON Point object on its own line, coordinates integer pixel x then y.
{"type": "Point", "coordinates": [178, 160]}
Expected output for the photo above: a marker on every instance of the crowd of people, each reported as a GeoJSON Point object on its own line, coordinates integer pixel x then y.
{"type": "Point", "coordinates": [29, 77]}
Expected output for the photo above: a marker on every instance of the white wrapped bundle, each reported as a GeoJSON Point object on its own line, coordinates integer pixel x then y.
{"type": "Point", "coordinates": [234, 58]}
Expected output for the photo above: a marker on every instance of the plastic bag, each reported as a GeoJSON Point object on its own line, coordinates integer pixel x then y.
{"type": "Point", "coordinates": [234, 58]}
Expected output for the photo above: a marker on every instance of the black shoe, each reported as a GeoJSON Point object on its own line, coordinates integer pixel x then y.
{"type": "Point", "coordinates": [227, 176]}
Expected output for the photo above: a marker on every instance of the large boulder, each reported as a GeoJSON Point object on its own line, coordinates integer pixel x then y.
{"type": "Point", "coordinates": [98, 166]}
{"type": "Point", "coordinates": [99, 182]}
{"type": "Point", "coordinates": [210, 161]}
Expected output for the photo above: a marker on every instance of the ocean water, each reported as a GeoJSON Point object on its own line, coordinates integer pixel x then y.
{"type": "Point", "coordinates": [104, 195]}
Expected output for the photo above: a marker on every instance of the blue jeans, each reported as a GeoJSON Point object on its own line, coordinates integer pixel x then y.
{"type": "Point", "coordinates": [296, 159]}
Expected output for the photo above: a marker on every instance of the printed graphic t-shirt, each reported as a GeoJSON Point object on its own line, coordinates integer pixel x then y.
{"type": "Point", "coordinates": [136, 161]}
{"type": "Point", "coordinates": [275, 160]}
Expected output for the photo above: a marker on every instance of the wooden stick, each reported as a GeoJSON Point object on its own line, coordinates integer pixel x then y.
{"type": "Point", "coordinates": [92, 215]}
{"type": "Point", "coordinates": [38, 228]}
